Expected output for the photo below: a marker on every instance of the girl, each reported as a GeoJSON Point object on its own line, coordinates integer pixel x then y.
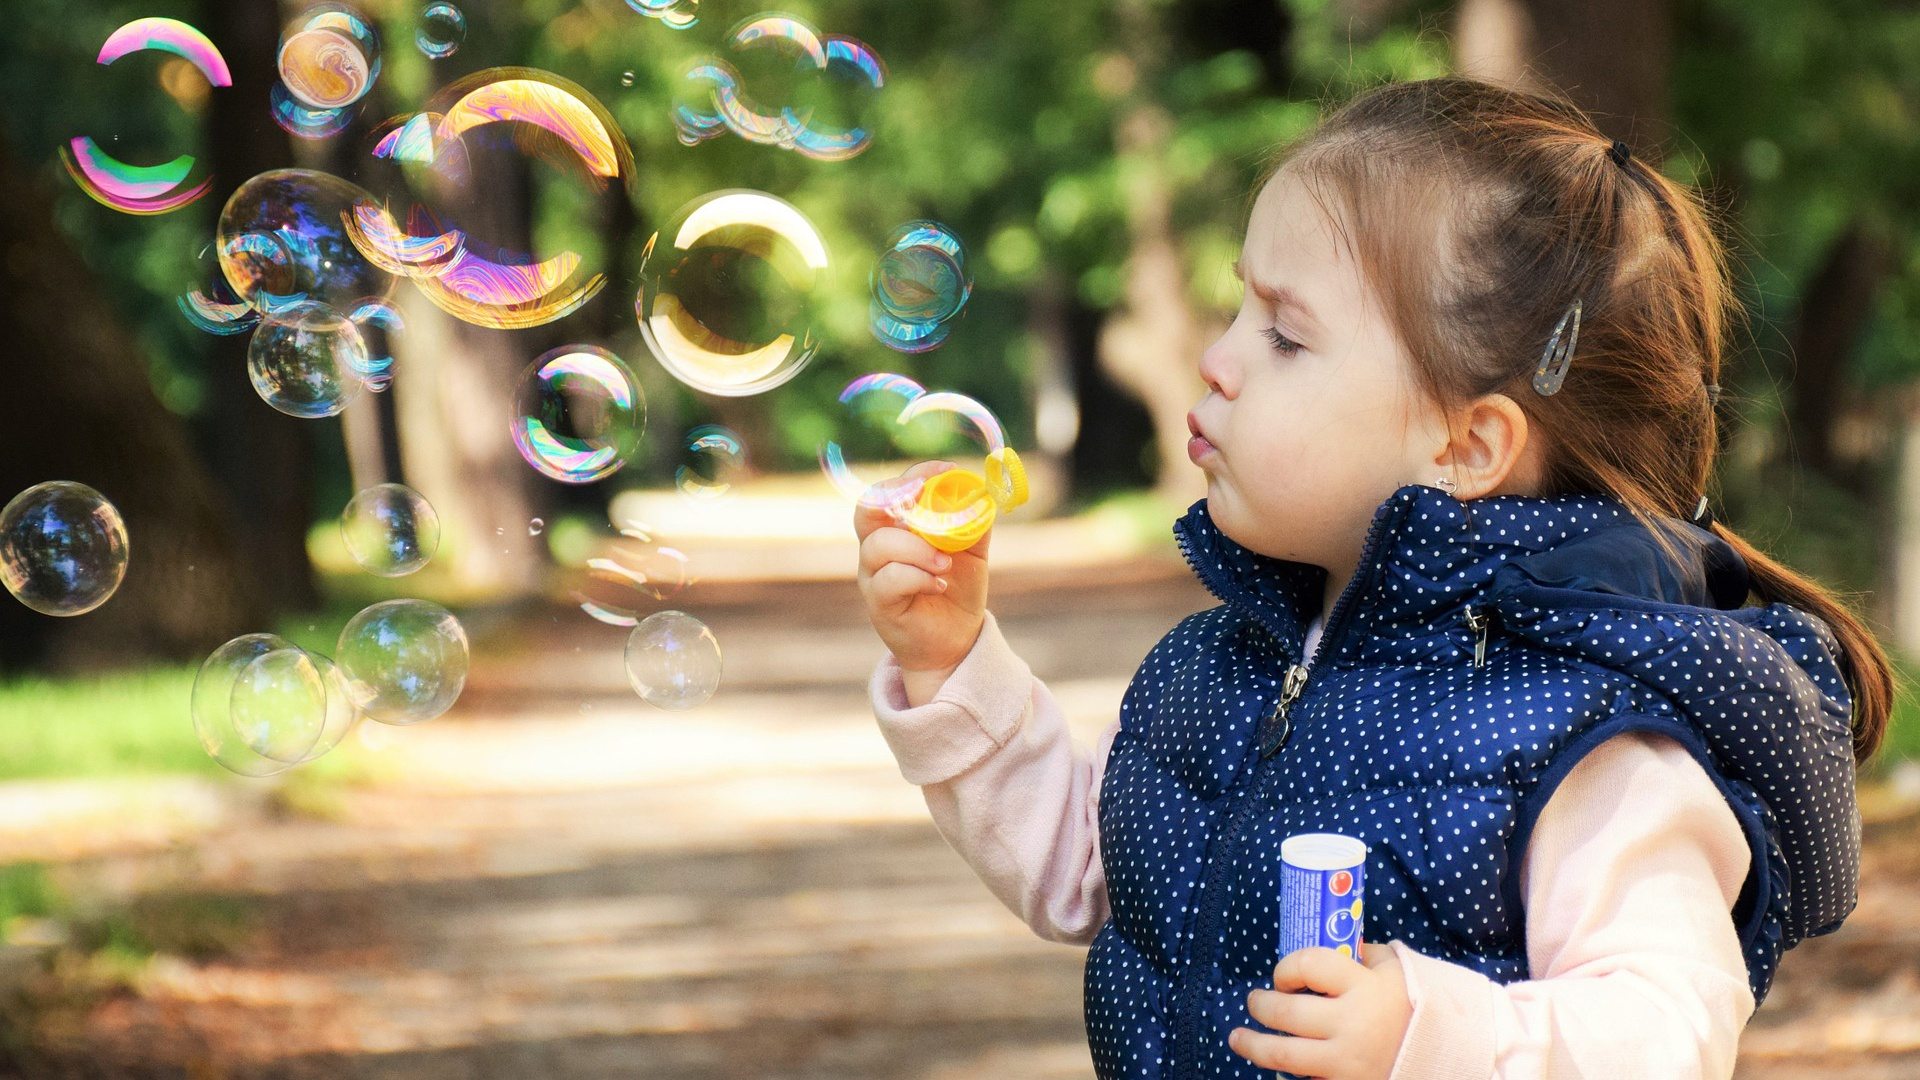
{"type": "Point", "coordinates": [1473, 612]}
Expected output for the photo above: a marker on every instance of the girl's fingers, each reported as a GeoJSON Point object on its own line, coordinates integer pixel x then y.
{"type": "Point", "coordinates": [896, 583]}
{"type": "Point", "coordinates": [1301, 1057]}
{"type": "Point", "coordinates": [1318, 969]}
{"type": "Point", "coordinates": [1295, 1014]}
{"type": "Point", "coordinates": [874, 511]}
{"type": "Point", "coordinates": [883, 546]}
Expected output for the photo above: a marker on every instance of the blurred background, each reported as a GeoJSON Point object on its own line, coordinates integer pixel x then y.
{"type": "Point", "coordinates": [558, 878]}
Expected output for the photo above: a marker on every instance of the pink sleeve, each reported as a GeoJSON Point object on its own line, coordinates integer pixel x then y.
{"type": "Point", "coordinates": [1630, 878]}
{"type": "Point", "coordinates": [1007, 787]}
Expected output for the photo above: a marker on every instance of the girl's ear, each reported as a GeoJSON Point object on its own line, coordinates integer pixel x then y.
{"type": "Point", "coordinates": [1490, 452]}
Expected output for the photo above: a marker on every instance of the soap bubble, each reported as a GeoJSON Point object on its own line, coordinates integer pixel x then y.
{"type": "Point", "coordinates": [378, 321]}
{"type": "Point", "coordinates": [673, 660]}
{"type": "Point", "coordinates": [405, 660]}
{"type": "Point", "coordinates": [919, 283]}
{"type": "Point", "coordinates": [578, 414]}
{"type": "Point", "coordinates": [307, 361]}
{"type": "Point", "coordinates": [283, 241]}
{"type": "Point", "coordinates": [474, 126]}
{"type": "Point", "coordinates": [728, 292]}
{"type": "Point", "coordinates": [778, 83]}
{"type": "Point", "coordinates": [631, 572]}
{"type": "Point", "coordinates": [390, 530]}
{"type": "Point", "coordinates": [261, 705]}
{"type": "Point", "coordinates": [677, 14]}
{"type": "Point", "coordinates": [146, 189]}
{"type": "Point", "coordinates": [213, 306]}
{"type": "Point", "coordinates": [442, 28]}
{"type": "Point", "coordinates": [330, 57]}
{"type": "Point", "coordinates": [536, 527]}
{"type": "Point", "coordinates": [626, 78]}
{"type": "Point", "coordinates": [890, 421]}
{"type": "Point", "coordinates": [852, 74]}
{"type": "Point", "coordinates": [63, 548]}
{"type": "Point", "coordinates": [299, 120]}
{"type": "Point", "coordinates": [713, 458]}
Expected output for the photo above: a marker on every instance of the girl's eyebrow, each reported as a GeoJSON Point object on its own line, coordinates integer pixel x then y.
{"type": "Point", "coordinates": [1279, 296]}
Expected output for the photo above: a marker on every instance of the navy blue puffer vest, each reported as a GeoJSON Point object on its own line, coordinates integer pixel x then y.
{"type": "Point", "coordinates": [1479, 652]}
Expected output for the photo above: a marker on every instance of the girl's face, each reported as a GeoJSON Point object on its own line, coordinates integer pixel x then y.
{"type": "Point", "coordinates": [1312, 417]}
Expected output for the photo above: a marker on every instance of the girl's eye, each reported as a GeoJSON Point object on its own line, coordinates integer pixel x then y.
{"type": "Point", "coordinates": [1282, 344]}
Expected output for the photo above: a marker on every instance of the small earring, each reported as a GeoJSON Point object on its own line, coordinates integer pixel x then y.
{"type": "Point", "coordinates": [1445, 485]}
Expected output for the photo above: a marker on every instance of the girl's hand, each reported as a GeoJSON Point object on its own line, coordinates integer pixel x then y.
{"type": "Point", "coordinates": [1353, 1033]}
{"type": "Point", "coordinates": [927, 607]}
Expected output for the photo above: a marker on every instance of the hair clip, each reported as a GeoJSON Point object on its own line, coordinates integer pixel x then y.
{"type": "Point", "coordinates": [1702, 514]}
{"type": "Point", "coordinates": [1619, 153]}
{"type": "Point", "coordinates": [1554, 360]}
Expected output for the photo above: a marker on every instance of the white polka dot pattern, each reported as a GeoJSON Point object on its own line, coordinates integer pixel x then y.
{"type": "Point", "coordinates": [1439, 763]}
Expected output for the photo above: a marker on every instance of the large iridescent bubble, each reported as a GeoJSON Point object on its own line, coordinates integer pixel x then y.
{"type": "Point", "coordinates": [283, 242]}
{"type": "Point", "coordinates": [578, 414]}
{"type": "Point", "coordinates": [405, 660]}
{"type": "Point", "coordinates": [729, 290]}
{"type": "Point", "coordinates": [157, 188]}
{"type": "Point", "coordinates": [63, 548]}
{"type": "Point", "coordinates": [433, 224]}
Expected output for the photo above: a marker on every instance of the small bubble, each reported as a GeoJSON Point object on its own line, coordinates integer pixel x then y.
{"type": "Point", "coordinates": [626, 78]}
{"type": "Point", "coordinates": [536, 527]}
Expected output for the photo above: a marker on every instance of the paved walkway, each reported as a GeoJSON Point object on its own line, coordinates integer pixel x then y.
{"type": "Point", "coordinates": [562, 881]}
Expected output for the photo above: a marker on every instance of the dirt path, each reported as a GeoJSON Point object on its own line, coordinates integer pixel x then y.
{"type": "Point", "coordinates": [565, 882]}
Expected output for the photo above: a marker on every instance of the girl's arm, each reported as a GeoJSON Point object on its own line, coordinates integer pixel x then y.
{"type": "Point", "coordinates": [1630, 878]}
{"type": "Point", "coordinates": [1008, 788]}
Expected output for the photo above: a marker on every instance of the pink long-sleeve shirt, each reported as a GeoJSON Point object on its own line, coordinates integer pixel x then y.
{"type": "Point", "coordinates": [1629, 881]}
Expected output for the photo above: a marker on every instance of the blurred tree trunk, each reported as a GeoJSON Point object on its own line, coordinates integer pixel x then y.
{"type": "Point", "coordinates": [1612, 59]}
{"type": "Point", "coordinates": [264, 460]}
{"type": "Point", "coordinates": [85, 411]}
{"type": "Point", "coordinates": [454, 381]}
{"type": "Point", "coordinates": [1835, 308]}
{"type": "Point", "coordinates": [1152, 346]}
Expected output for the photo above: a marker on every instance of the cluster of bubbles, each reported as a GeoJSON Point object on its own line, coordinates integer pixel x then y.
{"type": "Point", "coordinates": [919, 284]}
{"type": "Point", "coordinates": [262, 704]}
{"type": "Point", "coordinates": [727, 303]}
{"type": "Point", "coordinates": [290, 271]}
{"type": "Point", "coordinates": [840, 75]}
{"type": "Point", "coordinates": [63, 548]}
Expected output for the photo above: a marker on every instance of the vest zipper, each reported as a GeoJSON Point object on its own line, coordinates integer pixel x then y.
{"type": "Point", "coordinates": [1279, 725]}
{"type": "Point", "coordinates": [1186, 1009]}
{"type": "Point", "coordinates": [1478, 620]}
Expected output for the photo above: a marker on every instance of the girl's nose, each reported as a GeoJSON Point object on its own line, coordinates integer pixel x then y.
{"type": "Point", "coordinates": [1215, 367]}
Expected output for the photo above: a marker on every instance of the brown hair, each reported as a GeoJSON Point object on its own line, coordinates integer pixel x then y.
{"type": "Point", "coordinates": [1479, 213]}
